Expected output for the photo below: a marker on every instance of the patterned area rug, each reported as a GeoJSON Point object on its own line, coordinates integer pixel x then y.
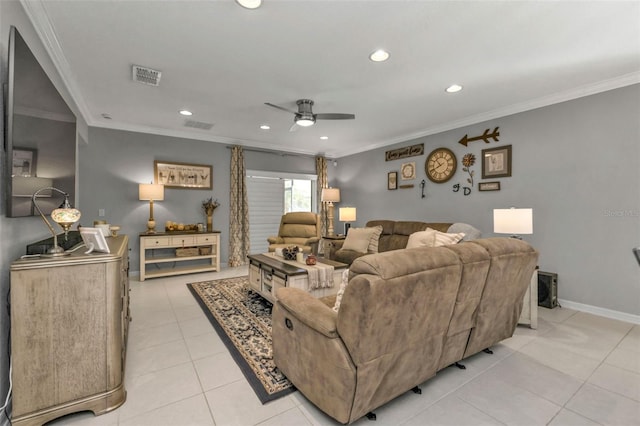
{"type": "Point", "coordinates": [243, 321]}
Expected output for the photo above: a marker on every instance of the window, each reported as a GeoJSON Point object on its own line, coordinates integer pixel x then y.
{"type": "Point", "coordinates": [270, 195]}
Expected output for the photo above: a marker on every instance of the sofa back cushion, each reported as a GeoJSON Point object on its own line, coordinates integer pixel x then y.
{"type": "Point", "coordinates": [300, 225]}
{"type": "Point", "coordinates": [395, 234]}
{"type": "Point", "coordinates": [512, 264]}
{"type": "Point", "coordinates": [394, 316]}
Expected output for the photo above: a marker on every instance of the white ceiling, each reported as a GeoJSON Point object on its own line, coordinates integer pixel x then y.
{"type": "Point", "coordinates": [223, 62]}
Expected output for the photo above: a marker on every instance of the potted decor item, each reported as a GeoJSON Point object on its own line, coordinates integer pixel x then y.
{"type": "Point", "coordinates": [209, 206]}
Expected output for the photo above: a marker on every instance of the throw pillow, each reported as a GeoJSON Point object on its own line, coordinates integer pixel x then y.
{"type": "Point", "coordinates": [445, 239]}
{"type": "Point", "coordinates": [375, 237]}
{"type": "Point", "coordinates": [470, 233]}
{"type": "Point", "coordinates": [422, 239]}
{"type": "Point", "coordinates": [343, 286]}
{"type": "Point", "coordinates": [358, 239]}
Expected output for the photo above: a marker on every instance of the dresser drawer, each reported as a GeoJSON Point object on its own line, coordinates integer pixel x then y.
{"type": "Point", "coordinates": [156, 242]}
{"type": "Point", "coordinates": [183, 240]}
{"type": "Point", "coordinates": [204, 239]}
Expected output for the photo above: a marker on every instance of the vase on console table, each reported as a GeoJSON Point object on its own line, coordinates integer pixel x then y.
{"type": "Point", "coordinates": [209, 222]}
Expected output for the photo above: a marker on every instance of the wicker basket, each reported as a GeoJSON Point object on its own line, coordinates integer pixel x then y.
{"type": "Point", "coordinates": [185, 252]}
{"type": "Point", "coordinates": [205, 250]}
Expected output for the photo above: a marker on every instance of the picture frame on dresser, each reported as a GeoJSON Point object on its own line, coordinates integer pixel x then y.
{"type": "Point", "coordinates": [183, 175]}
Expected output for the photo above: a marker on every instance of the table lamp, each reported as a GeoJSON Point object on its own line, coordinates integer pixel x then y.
{"type": "Point", "coordinates": [151, 192]}
{"type": "Point", "coordinates": [65, 216]}
{"type": "Point", "coordinates": [346, 215]}
{"type": "Point", "coordinates": [330, 196]}
{"type": "Point", "coordinates": [513, 221]}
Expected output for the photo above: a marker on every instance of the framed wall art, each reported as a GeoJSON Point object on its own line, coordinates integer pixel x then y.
{"type": "Point", "coordinates": [183, 175]}
{"type": "Point", "coordinates": [392, 180]}
{"type": "Point", "coordinates": [496, 162]}
{"type": "Point", "coordinates": [408, 171]}
{"type": "Point", "coordinates": [489, 186]}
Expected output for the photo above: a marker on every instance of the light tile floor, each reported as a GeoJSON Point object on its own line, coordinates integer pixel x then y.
{"type": "Point", "coordinates": [575, 369]}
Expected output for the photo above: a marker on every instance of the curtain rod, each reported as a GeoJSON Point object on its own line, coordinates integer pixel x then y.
{"type": "Point", "coordinates": [274, 152]}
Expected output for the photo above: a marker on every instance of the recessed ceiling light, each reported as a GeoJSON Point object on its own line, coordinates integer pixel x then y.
{"type": "Point", "coordinates": [453, 88]}
{"type": "Point", "coordinates": [265, 127]}
{"type": "Point", "coordinates": [250, 4]}
{"type": "Point", "coordinates": [379, 55]}
{"type": "Point", "coordinates": [185, 112]}
{"type": "Point", "coordinates": [324, 138]}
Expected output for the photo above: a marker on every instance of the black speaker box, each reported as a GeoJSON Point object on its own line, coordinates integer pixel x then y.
{"type": "Point", "coordinates": [547, 289]}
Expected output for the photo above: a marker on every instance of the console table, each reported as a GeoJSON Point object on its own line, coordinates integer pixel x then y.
{"type": "Point", "coordinates": [160, 249]}
{"type": "Point", "coordinates": [69, 325]}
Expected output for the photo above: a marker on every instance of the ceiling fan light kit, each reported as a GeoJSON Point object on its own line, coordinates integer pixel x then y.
{"type": "Point", "coordinates": [305, 116]}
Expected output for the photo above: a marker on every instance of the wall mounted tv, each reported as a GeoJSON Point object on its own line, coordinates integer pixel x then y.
{"type": "Point", "coordinates": [40, 141]}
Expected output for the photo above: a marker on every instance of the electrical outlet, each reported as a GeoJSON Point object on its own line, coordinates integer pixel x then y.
{"type": "Point", "coordinates": [101, 212]}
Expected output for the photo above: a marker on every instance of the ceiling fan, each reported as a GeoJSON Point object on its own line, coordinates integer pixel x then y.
{"type": "Point", "coordinates": [305, 116]}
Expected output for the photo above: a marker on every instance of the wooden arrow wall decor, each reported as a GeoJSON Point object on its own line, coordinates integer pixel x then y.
{"type": "Point", "coordinates": [483, 137]}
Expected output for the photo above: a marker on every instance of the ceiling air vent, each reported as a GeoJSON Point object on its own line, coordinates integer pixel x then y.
{"type": "Point", "coordinates": [146, 75]}
{"type": "Point", "coordinates": [198, 125]}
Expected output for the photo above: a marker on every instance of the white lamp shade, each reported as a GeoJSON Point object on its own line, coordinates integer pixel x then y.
{"type": "Point", "coordinates": [513, 221]}
{"type": "Point", "coordinates": [150, 192]}
{"type": "Point", "coordinates": [347, 214]}
{"type": "Point", "coordinates": [330, 195]}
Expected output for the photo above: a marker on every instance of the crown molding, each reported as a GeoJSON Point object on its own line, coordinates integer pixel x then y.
{"type": "Point", "coordinates": [37, 14]}
{"type": "Point", "coordinates": [46, 115]}
{"type": "Point", "coordinates": [556, 98]}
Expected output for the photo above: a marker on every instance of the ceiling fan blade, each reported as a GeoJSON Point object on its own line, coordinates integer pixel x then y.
{"type": "Point", "coordinates": [294, 127]}
{"type": "Point", "coordinates": [335, 116]}
{"type": "Point", "coordinates": [280, 108]}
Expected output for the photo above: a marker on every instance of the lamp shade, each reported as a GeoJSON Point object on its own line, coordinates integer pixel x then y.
{"type": "Point", "coordinates": [513, 221]}
{"type": "Point", "coordinates": [347, 214]}
{"type": "Point", "coordinates": [330, 195]}
{"type": "Point", "coordinates": [150, 192]}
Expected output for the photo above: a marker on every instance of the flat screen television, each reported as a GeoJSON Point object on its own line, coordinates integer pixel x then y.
{"type": "Point", "coordinates": [40, 134]}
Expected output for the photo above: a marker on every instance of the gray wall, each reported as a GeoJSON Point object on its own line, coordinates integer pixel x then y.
{"type": "Point", "coordinates": [577, 164]}
{"type": "Point", "coordinates": [114, 162]}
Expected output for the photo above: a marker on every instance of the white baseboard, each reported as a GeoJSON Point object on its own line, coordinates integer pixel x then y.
{"type": "Point", "coordinates": [602, 312]}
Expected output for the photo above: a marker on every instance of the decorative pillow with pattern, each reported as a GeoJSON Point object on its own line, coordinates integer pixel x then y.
{"type": "Point", "coordinates": [358, 239]}
{"type": "Point", "coordinates": [422, 239]}
{"type": "Point", "coordinates": [445, 239]}
{"type": "Point", "coordinates": [375, 238]}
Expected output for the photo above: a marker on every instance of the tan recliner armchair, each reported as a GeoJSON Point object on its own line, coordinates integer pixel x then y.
{"type": "Point", "coordinates": [300, 229]}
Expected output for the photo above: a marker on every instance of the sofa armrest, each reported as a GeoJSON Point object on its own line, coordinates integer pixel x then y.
{"type": "Point", "coordinates": [275, 240]}
{"type": "Point", "coordinates": [308, 310]}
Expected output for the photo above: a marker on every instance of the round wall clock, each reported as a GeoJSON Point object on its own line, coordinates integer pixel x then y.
{"type": "Point", "coordinates": [440, 165]}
